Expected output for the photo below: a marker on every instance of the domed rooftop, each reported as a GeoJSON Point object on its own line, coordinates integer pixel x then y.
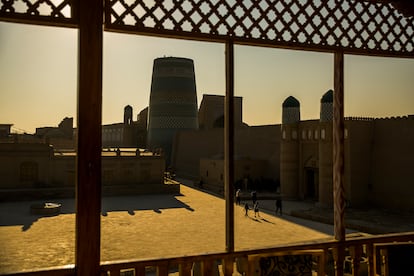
{"type": "Point", "coordinates": [291, 102]}
{"type": "Point", "coordinates": [327, 97]}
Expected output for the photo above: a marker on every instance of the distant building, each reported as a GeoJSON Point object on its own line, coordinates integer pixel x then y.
{"type": "Point", "coordinates": [64, 130]}
{"type": "Point", "coordinates": [208, 141]}
{"type": "Point", "coordinates": [173, 103]}
{"type": "Point", "coordinates": [129, 133]}
{"type": "Point", "coordinates": [255, 143]}
{"type": "Point", "coordinates": [43, 165]}
{"type": "Point", "coordinates": [298, 155]}
{"type": "Point", "coordinates": [36, 170]}
{"type": "Point", "coordinates": [245, 170]}
{"type": "Point", "coordinates": [211, 112]}
{"type": "Point", "coordinates": [294, 157]}
{"type": "Point", "coordinates": [5, 130]}
{"type": "Point", "coordinates": [61, 137]}
{"type": "Point", "coordinates": [378, 157]}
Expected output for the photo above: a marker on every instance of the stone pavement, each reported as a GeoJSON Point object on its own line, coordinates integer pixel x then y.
{"type": "Point", "coordinates": [369, 220]}
{"type": "Point", "coordinates": [151, 226]}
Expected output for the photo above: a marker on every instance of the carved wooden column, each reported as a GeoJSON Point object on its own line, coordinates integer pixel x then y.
{"type": "Point", "coordinates": [338, 160]}
{"type": "Point", "coordinates": [228, 266]}
{"type": "Point", "coordinates": [371, 259]}
{"type": "Point", "coordinates": [356, 252]}
{"type": "Point", "coordinates": [162, 269]}
{"type": "Point", "coordinates": [88, 161]}
{"type": "Point", "coordinates": [208, 267]}
{"type": "Point", "coordinates": [185, 269]}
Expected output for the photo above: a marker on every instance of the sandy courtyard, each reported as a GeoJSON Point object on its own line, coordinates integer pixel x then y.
{"type": "Point", "coordinates": [142, 227]}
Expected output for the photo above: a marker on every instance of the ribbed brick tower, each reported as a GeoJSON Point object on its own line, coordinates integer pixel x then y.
{"type": "Point", "coordinates": [173, 102]}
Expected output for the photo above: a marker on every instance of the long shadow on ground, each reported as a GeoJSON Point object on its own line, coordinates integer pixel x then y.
{"type": "Point", "coordinates": [18, 213]}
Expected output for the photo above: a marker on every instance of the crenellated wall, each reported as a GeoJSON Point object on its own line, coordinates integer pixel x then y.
{"type": "Point", "coordinates": [259, 142]}
{"type": "Point", "coordinates": [393, 163]}
{"type": "Point", "coordinates": [358, 161]}
{"type": "Point", "coordinates": [379, 159]}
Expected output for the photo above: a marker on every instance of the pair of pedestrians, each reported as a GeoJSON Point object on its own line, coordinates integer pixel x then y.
{"type": "Point", "coordinates": [255, 208]}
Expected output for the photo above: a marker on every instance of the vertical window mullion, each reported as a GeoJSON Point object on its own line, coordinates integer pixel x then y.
{"type": "Point", "coordinates": [89, 139]}
{"type": "Point", "coordinates": [229, 146]}
{"type": "Point", "coordinates": [338, 147]}
{"type": "Point", "coordinates": [338, 161]}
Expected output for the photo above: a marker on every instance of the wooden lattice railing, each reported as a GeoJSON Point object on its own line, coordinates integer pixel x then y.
{"type": "Point", "coordinates": [360, 251]}
{"type": "Point", "coordinates": [360, 27]}
{"type": "Point", "coordinates": [353, 26]}
{"type": "Point", "coordinates": [361, 255]}
{"type": "Point", "coordinates": [42, 12]}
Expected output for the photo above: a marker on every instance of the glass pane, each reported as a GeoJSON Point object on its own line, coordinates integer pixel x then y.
{"type": "Point", "coordinates": [38, 107]}
{"type": "Point", "coordinates": [379, 133]}
{"type": "Point", "coordinates": [278, 88]}
{"type": "Point", "coordinates": [155, 202]}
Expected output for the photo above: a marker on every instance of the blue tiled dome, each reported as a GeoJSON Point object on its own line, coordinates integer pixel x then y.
{"type": "Point", "coordinates": [327, 97]}
{"type": "Point", "coordinates": [291, 102]}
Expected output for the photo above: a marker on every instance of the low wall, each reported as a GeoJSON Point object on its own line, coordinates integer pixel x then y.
{"type": "Point", "coordinates": [69, 192]}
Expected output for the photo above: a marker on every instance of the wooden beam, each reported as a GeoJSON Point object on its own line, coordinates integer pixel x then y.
{"type": "Point", "coordinates": [229, 146]}
{"type": "Point", "coordinates": [88, 162]}
{"type": "Point", "coordinates": [338, 147]}
{"type": "Point", "coordinates": [338, 161]}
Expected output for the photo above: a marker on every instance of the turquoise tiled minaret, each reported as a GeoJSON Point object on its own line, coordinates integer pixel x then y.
{"type": "Point", "coordinates": [326, 151]}
{"type": "Point", "coordinates": [326, 114]}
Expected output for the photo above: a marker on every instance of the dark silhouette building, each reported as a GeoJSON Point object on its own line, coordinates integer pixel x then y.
{"type": "Point", "coordinates": [129, 133]}
{"type": "Point", "coordinates": [173, 102]}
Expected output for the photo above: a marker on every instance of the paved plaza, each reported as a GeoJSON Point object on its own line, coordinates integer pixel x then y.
{"type": "Point", "coordinates": [149, 226]}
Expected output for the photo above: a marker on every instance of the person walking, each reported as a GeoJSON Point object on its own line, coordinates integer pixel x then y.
{"type": "Point", "coordinates": [238, 197]}
{"type": "Point", "coordinates": [246, 209]}
{"type": "Point", "coordinates": [256, 209]}
{"type": "Point", "coordinates": [279, 205]}
{"type": "Point", "coordinates": [254, 196]}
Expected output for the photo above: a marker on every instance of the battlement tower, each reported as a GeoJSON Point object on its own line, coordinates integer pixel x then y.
{"type": "Point", "coordinates": [289, 148]}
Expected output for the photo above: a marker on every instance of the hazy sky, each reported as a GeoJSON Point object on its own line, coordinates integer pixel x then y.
{"type": "Point", "coordinates": [38, 77]}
